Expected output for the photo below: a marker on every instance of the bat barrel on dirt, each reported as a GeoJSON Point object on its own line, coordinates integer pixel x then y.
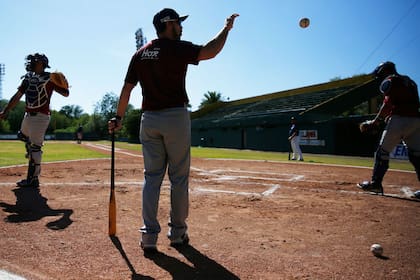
{"type": "Point", "coordinates": [112, 225]}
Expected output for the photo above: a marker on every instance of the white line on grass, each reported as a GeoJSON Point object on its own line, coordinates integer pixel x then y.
{"type": "Point", "coordinates": [108, 148]}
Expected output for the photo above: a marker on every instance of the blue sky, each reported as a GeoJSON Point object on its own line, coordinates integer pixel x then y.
{"type": "Point", "coordinates": [92, 41]}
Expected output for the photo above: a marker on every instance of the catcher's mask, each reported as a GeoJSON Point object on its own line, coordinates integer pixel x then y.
{"type": "Point", "coordinates": [32, 59]}
{"type": "Point", "coordinates": [384, 69]}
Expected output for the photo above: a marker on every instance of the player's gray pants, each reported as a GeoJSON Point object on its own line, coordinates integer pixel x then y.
{"type": "Point", "coordinates": [166, 139]}
{"type": "Point", "coordinates": [34, 127]}
{"type": "Point", "coordinates": [398, 128]}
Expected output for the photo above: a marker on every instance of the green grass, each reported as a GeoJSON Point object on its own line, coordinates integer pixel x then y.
{"type": "Point", "coordinates": [12, 152]}
{"type": "Point", "coordinates": [279, 156]}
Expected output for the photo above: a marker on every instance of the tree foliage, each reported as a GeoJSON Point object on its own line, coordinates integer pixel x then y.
{"type": "Point", "coordinates": [15, 116]}
{"type": "Point", "coordinates": [70, 117]}
{"type": "Point", "coordinates": [211, 97]}
{"type": "Point", "coordinates": [131, 124]}
{"type": "Point", "coordinates": [72, 111]}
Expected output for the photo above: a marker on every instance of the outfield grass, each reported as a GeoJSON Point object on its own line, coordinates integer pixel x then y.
{"type": "Point", "coordinates": [279, 156]}
{"type": "Point", "coordinates": [12, 152]}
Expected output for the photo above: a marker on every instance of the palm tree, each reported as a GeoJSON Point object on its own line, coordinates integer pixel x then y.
{"type": "Point", "coordinates": [211, 97]}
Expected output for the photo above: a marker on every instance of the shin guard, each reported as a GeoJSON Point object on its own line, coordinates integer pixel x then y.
{"type": "Point", "coordinates": [381, 165]}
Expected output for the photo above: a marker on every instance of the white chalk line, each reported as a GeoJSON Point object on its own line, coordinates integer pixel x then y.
{"type": "Point", "coordinates": [216, 174]}
{"type": "Point", "coordinates": [4, 275]}
{"type": "Point", "coordinates": [219, 175]}
{"type": "Point", "coordinates": [108, 148]}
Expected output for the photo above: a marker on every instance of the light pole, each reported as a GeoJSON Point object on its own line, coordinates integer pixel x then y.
{"type": "Point", "coordinates": [2, 72]}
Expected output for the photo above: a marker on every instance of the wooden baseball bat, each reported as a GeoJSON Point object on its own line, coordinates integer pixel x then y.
{"type": "Point", "coordinates": [112, 225]}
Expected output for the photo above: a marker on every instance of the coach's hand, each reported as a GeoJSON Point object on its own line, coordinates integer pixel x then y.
{"type": "Point", "coordinates": [114, 124]}
{"type": "Point", "coordinates": [230, 20]}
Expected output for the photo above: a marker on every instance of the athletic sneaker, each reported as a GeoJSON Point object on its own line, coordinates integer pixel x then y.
{"type": "Point", "coordinates": [34, 183]}
{"type": "Point", "coordinates": [148, 248]}
{"type": "Point", "coordinates": [180, 241]}
{"type": "Point", "coordinates": [371, 187]}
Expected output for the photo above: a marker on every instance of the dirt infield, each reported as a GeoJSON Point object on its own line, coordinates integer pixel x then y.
{"type": "Point", "coordinates": [248, 220]}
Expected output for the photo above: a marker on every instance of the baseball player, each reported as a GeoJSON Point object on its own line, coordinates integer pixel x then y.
{"type": "Point", "coordinates": [294, 140]}
{"type": "Point", "coordinates": [400, 109]}
{"type": "Point", "coordinates": [79, 134]}
{"type": "Point", "coordinates": [37, 86]}
{"type": "Point", "coordinates": [165, 132]}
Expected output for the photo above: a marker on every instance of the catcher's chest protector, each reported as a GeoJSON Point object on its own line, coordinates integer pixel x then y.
{"type": "Point", "coordinates": [36, 91]}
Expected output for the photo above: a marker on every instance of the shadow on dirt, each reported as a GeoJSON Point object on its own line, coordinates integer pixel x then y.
{"type": "Point", "coordinates": [394, 196]}
{"type": "Point", "coordinates": [134, 275]}
{"type": "Point", "coordinates": [203, 267]}
{"type": "Point", "coordinates": [32, 206]}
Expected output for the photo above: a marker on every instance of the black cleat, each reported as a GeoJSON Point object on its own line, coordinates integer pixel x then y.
{"type": "Point", "coordinates": [33, 183]}
{"type": "Point", "coordinates": [371, 187]}
{"type": "Point", "coordinates": [181, 241]}
{"type": "Point", "coordinates": [149, 248]}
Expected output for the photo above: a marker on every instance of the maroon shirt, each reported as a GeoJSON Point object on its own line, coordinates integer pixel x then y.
{"type": "Point", "coordinates": [401, 95]}
{"type": "Point", "coordinates": [161, 67]}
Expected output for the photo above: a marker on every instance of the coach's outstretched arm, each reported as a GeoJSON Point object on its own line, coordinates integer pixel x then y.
{"type": "Point", "coordinates": [214, 46]}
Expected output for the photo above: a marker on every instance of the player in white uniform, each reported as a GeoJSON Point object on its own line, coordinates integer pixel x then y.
{"type": "Point", "coordinates": [294, 139]}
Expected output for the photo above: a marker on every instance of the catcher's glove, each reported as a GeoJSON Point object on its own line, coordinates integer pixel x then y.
{"type": "Point", "coordinates": [369, 126]}
{"type": "Point", "coordinates": [59, 80]}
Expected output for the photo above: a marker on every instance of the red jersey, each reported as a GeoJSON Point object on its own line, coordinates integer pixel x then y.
{"type": "Point", "coordinates": [161, 67]}
{"type": "Point", "coordinates": [401, 95]}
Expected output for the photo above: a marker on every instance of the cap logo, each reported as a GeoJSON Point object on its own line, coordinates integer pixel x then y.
{"type": "Point", "coordinates": [165, 19]}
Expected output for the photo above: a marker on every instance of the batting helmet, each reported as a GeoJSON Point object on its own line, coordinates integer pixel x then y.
{"type": "Point", "coordinates": [384, 69]}
{"type": "Point", "coordinates": [34, 58]}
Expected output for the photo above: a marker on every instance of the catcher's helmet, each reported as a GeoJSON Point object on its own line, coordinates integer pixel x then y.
{"type": "Point", "coordinates": [384, 69]}
{"type": "Point", "coordinates": [34, 58]}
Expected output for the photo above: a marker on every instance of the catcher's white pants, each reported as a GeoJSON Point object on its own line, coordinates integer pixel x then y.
{"type": "Point", "coordinates": [34, 127]}
{"type": "Point", "coordinates": [296, 148]}
{"type": "Point", "coordinates": [166, 140]}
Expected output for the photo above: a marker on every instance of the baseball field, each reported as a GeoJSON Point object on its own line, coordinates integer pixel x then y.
{"type": "Point", "coordinates": [253, 215]}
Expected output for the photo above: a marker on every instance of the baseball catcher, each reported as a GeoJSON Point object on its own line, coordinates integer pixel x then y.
{"type": "Point", "coordinates": [401, 109]}
{"type": "Point", "coordinates": [37, 86]}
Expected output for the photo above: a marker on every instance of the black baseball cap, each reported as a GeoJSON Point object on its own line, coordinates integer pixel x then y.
{"type": "Point", "coordinates": [166, 15]}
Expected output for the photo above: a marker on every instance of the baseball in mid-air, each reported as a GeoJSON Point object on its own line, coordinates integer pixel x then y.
{"type": "Point", "coordinates": [304, 22]}
{"type": "Point", "coordinates": [377, 250]}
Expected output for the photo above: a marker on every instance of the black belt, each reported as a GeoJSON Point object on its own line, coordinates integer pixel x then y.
{"type": "Point", "coordinates": [33, 113]}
